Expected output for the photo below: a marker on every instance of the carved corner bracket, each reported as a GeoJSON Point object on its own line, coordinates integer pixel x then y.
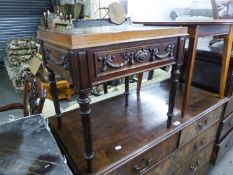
{"type": "Point", "coordinates": [62, 61]}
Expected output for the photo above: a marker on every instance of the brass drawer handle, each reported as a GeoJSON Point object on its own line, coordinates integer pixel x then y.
{"type": "Point", "coordinates": [140, 170]}
{"type": "Point", "coordinates": [202, 124]}
{"type": "Point", "coordinates": [197, 147]}
{"type": "Point", "coordinates": [194, 168]}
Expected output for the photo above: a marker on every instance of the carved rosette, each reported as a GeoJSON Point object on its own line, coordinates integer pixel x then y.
{"type": "Point", "coordinates": [140, 56]}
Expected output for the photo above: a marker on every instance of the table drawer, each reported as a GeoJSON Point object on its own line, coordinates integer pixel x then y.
{"type": "Point", "coordinates": [121, 61]}
{"type": "Point", "coordinates": [194, 164]}
{"type": "Point", "coordinates": [190, 131]}
{"type": "Point", "coordinates": [221, 149]}
{"type": "Point", "coordinates": [58, 59]}
{"type": "Point", "coordinates": [226, 127]}
{"type": "Point", "coordinates": [229, 107]}
{"type": "Point", "coordinates": [175, 160]}
{"type": "Point", "coordinates": [149, 158]}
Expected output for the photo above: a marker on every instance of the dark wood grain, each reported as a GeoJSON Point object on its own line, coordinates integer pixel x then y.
{"type": "Point", "coordinates": [100, 54]}
{"type": "Point", "coordinates": [139, 127]}
{"type": "Point", "coordinates": [181, 155]}
{"type": "Point", "coordinates": [193, 165]}
{"type": "Point", "coordinates": [221, 149]}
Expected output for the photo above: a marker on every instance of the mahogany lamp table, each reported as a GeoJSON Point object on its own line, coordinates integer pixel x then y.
{"type": "Point", "coordinates": [93, 55]}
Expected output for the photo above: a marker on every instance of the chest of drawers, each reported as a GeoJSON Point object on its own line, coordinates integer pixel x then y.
{"type": "Point", "coordinates": [126, 143]}
{"type": "Point", "coordinates": [224, 134]}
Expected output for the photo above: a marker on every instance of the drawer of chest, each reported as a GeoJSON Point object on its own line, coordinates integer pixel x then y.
{"type": "Point", "coordinates": [196, 127]}
{"type": "Point", "coordinates": [226, 127]}
{"type": "Point", "coordinates": [195, 163]}
{"type": "Point", "coordinates": [203, 170]}
{"type": "Point", "coordinates": [58, 59]}
{"type": "Point", "coordinates": [142, 163]}
{"type": "Point", "coordinates": [229, 107]}
{"type": "Point", "coordinates": [128, 59]}
{"type": "Point", "coordinates": [175, 160]}
{"type": "Point", "coordinates": [221, 148]}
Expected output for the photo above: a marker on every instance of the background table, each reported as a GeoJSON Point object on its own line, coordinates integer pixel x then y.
{"type": "Point", "coordinates": [197, 28]}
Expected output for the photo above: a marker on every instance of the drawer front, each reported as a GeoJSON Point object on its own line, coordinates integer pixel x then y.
{"type": "Point", "coordinates": [149, 158]}
{"type": "Point", "coordinates": [127, 59]}
{"type": "Point", "coordinates": [229, 107]}
{"type": "Point", "coordinates": [198, 161]}
{"type": "Point", "coordinates": [190, 131]}
{"type": "Point", "coordinates": [227, 126]}
{"type": "Point", "coordinates": [221, 149]}
{"type": "Point", "coordinates": [176, 159]}
{"type": "Point", "coordinates": [58, 59]}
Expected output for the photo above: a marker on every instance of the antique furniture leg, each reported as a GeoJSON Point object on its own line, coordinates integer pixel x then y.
{"type": "Point", "coordinates": [193, 38]}
{"type": "Point", "coordinates": [150, 75]}
{"type": "Point", "coordinates": [139, 82]}
{"type": "Point", "coordinates": [84, 101]}
{"type": "Point", "coordinates": [52, 83]}
{"type": "Point", "coordinates": [126, 90]}
{"type": "Point", "coordinates": [53, 87]}
{"type": "Point", "coordinates": [228, 39]}
{"type": "Point", "coordinates": [105, 85]}
{"type": "Point", "coordinates": [174, 80]}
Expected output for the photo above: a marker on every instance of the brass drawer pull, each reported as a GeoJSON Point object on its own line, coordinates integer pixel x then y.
{"type": "Point", "coordinates": [140, 170]}
{"type": "Point", "coordinates": [194, 168]}
{"type": "Point", "coordinates": [202, 124]}
{"type": "Point", "coordinates": [197, 147]}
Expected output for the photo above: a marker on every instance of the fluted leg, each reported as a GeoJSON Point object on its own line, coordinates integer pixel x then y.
{"type": "Point", "coordinates": [84, 101]}
{"type": "Point", "coordinates": [150, 75]}
{"type": "Point", "coordinates": [139, 82]}
{"type": "Point", "coordinates": [126, 90]}
{"type": "Point", "coordinates": [174, 80]}
{"type": "Point", "coordinates": [53, 89]}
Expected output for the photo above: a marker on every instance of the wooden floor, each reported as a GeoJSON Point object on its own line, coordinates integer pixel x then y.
{"type": "Point", "coordinates": [141, 124]}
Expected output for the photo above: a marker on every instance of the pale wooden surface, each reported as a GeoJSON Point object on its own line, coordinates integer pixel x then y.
{"type": "Point", "coordinates": [226, 56]}
{"type": "Point", "coordinates": [79, 38]}
{"type": "Point", "coordinates": [187, 22]}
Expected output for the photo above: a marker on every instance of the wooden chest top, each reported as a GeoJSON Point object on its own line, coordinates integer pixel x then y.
{"type": "Point", "coordinates": [79, 38]}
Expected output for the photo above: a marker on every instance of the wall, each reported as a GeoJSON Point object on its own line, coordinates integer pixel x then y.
{"type": "Point", "coordinates": [19, 19]}
{"type": "Point", "coordinates": [155, 10]}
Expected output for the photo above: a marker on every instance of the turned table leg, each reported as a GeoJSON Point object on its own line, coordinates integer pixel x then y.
{"type": "Point", "coordinates": [139, 82]}
{"type": "Point", "coordinates": [84, 101]}
{"type": "Point", "coordinates": [174, 81]}
{"type": "Point", "coordinates": [127, 90]}
{"type": "Point", "coordinates": [150, 75]}
{"type": "Point", "coordinates": [193, 38]}
{"type": "Point", "coordinates": [105, 86]}
{"type": "Point", "coordinates": [53, 89]}
{"type": "Point", "coordinates": [226, 56]}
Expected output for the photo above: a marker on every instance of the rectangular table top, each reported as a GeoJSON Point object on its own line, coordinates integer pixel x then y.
{"type": "Point", "coordinates": [187, 22]}
{"type": "Point", "coordinates": [79, 38]}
